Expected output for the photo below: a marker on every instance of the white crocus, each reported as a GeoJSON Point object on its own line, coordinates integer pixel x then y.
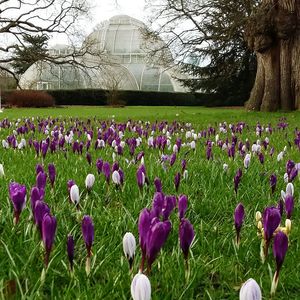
{"type": "Point", "coordinates": [89, 181]}
{"type": "Point", "coordinates": [250, 290]}
{"type": "Point", "coordinates": [74, 194]}
{"type": "Point", "coordinates": [280, 156]}
{"type": "Point", "coordinates": [247, 160]}
{"type": "Point", "coordinates": [185, 174]}
{"type": "Point", "coordinates": [225, 167]}
{"type": "Point", "coordinates": [289, 189]}
{"type": "Point", "coordinates": [140, 287]}
{"type": "Point", "coordinates": [2, 174]}
{"type": "Point", "coordinates": [193, 145]}
{"type": "Point", "coordinates": [286, 177]}
{"type": "Point", "coordinates": [129, 246]}
{"type": "Point", "coordinates": [116, 177]}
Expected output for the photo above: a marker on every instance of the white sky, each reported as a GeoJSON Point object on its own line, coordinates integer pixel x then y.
{"type": "Point", "coordinates": [102, 10]}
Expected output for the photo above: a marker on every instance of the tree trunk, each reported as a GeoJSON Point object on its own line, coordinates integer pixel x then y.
{"type": "Point", "coordinates": [273, 32]}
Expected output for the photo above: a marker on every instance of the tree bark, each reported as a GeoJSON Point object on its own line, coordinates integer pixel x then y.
{"type": "Point", "coordinates": [273, 32]}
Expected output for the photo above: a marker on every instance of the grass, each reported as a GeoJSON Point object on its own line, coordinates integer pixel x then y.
{"type": "Point", "coordinates": [217, 268]}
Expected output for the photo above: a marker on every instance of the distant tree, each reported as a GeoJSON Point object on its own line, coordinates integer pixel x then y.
{"type": "Point", "coordinates": [25, 27]}
{"type": "Point", "coordinates": [34, 48]}
{"type": "Point", "coordinates": [206, 38]}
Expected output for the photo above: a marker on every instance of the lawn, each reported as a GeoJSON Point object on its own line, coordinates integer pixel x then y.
{"type": "Point", "coordinates": [217, 268]}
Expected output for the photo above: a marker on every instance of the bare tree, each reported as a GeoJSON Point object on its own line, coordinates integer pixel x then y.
{"type": "Point", "coordinates": [22, 18]}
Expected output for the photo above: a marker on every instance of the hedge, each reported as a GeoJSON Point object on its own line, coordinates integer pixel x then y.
{"type": "Point", "coordinates": [95, 97]}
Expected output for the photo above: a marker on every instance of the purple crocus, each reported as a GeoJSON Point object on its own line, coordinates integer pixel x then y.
{"type": "Point", "coordinates": [89, 158]}
{"type": "Point", "coordinates": [140, 178]}
{"type": "Point", "coordinates": [143, 228]}
{"type": "Point", "coordinates": [39, 168]}
{"type": "Point", "coordinates": [177, 181]}
{"type": "Point", "coordinates": [106, 171]}
{"type": "Point", "coordinates": [158, 185]}
{"type": "Point", "coordinates": [237, 179]}
{"type": "Point", "coordinates": [280, 248]}
{"type": "Point", "coordinates": [169, 205]}
{"type": "Point", "coordinates": [186, 236]}
{"type": "Point", "coordinates": [52, 174]}
{"type": "Point", "coordinates": [48, 229]}
{"type": "Point", "coordinates": [271, 220]}
{"type": "Point", "coordinates": [99, 165]}
{"type": "Point", "coordinates": [87, 228]}
{"type": "Point", "coordinates": [156, 238]}
{"type": "Point", "coordinates": [41, 180]}
{"type": "Point", "coordinates": [40, 209]}
{"type": "Point", "coordinates": [157, 205]}
{"type": "Point", "coordinates": [17, 194]}
{"type": "Point", "coordinates": [289, 205]}
{"type": "Point", "coordinates": [239, 214]}
{"type": "Point", "coordinates": [35, 195]}
{"type": "Point", "coordinates": [70, 250]}
{"type": "Point", "coordinates": [273, 182]}
{"type": "Point", "coordinates": [182, 206]}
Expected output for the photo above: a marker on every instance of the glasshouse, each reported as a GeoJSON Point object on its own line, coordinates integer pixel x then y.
{"type": "Point", "coordinates": [123, 63]}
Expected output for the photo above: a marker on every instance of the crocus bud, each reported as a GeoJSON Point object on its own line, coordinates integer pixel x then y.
{"type": "Point", "coordinates": [258, 216]}
{"type": "Point", "coordinates": [288, 226]}
{"type": "Point", "coordinates": [99, 164]}
{"type": "Point", "coordinates": [89, 158]}
{"type": "Point", "coordinates": [106, 171]}
{"type": "Point", "coordinates": [250, 290]}
{"type": "Point", "coordinates": [74, 195]}
{"type": "Point", "coordinates": [273, 181]}
{"type": "Point", "coordinates": [116, 178]}
{"type": "Point", "coordinates": [17, 194]}
{"type": "Point", "coordinates": [186, 236]}
{"type": "Point", "coordinates": [177, 181]}
{"type": "Point", "coordinates": [280, 248]}
{"type": "Point", "coordinates": [52, 174]}
{"type": "Point", "coordinates": [247, 160]}
{"type": "Point", "coordinates": [87, 228]}
{"type": "Point", "coordinates": [289, 205]}
{"type": "Point", "coordinates": [140, 287]}
{"type": "Point", "coordinates": [129, 246]}
{"type": "Point", "coordinates": [41, 180]}
{"type": "Point", "coordinates": [239, 215]}
{"type": "Point", "coordinates": [290, 189]}
{"type": "Point", "coordinates": [89, 181]}
{"type": "Point", "coordinates": [48, 229]}
{"type": "Point", "coordinates": [140, 178]}
{"type": "Point", "coordinates": [70, 250]}
{"type": "Point", "coordinates": [158, 185]}
{"type": "Point", "coordinates": [2, 174]}
{"type": "Point", "coordinates": [182, 205]}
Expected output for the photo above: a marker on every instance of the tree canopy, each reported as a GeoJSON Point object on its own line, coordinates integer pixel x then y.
{"type": "Point", "coordinates": [207, 40]}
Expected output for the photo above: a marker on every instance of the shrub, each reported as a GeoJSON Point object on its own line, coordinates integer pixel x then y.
{"type": "Point", "coordinates": [29, 98]}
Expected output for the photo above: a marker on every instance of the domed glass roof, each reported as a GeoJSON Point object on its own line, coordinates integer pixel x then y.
{"type": "Point", "coordinates": [128, 68]}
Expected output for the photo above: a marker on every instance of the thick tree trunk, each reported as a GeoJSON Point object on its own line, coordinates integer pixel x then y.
{"type": "Point", "coordinates": [274, 34]}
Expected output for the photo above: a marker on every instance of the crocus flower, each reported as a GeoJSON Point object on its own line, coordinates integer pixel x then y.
{"type": "Point", "coordinates": [273, 181]}
{"type": "Point", "coordinates": [34, 196]}
{"type": "Point", "coordinates": [70, 251]}
{"type": "Point", "coordinates": [99, 165]}
{"type": "Point", "coordinates": [89, 181]}
{"type": "Point", "coordinates": [182, 206]}
{"type": "Point", "coordinates": [74, 195]}
{"type": "Point", "coordinates": [106, 171]}
{"type": "Point", "coordinates": [89, 158]}
{"type": "Point", "coordinates": [271, 220]}
{"type": "Point", "coordinates": [158, 185]}
{"type": "Point", "coordinates": [70, 183]}
{"type": "Point", "coordinates": [140, 178]}
{"type": "Point", "coordinates": [250, 290]}
{"type": "Point", "coordinates": [129, 246]}
{"type": "Point", "coordinates": [177, 181]}
{"type": "Point", "coordinates": [169, 205]}
{"type": "Point", "coordinates": [143, 227]}
{"type": "Point", "coordinates": [52, 174]}
{"type": "Point", "coordinates": [237, 179]}
{"type": "Point", "coordinates": [280, 248]}
{"type": "Point", "coordinates": [157, 205]}
{"type": "Point", "coordinates": [116, 178]}
{"type": "Point", "coordinates": [17, 194]}
{"type": "Point", "coordinates": [48, 229]}
{"type": "Point", "coordinates": [140, 287]}
{"type": "Point", "coordinates": [156, 238]}
{"type": "Point", "coordinates": [289, 205]}
{"type": "Point", "coordinates": [40, 209]}
{"type": "Point", "coordinates": [41, 180]}
{"type": "Point", "coordinates": [2, 174]}
{"type": "Point", "coordinates": [186, 236]}
{"type": "Point", "coordinates": [87, 228]}
{"type": "Point", "coordinates": [247, 160]}
{"type": "Point", "coordinates": [239, 215]}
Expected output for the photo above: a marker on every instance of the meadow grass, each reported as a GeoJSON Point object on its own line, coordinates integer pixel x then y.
{"type": "Point", "coordinates": [217, 268]}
